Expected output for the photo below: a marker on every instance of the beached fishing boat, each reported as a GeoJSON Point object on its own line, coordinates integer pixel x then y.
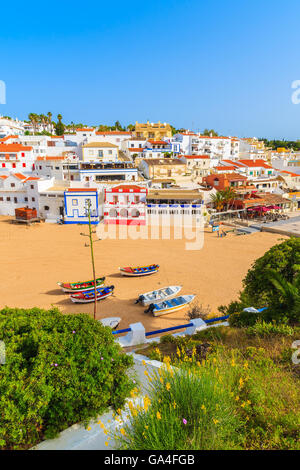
{"type": "Point", "coordinates": [169, 306]}
{"type": "Point", "coordinates": [112, 322]}
{"type": "Point", "coordinates": [89, 296]}
{"type": "Point", "coordinates": [80, 286]}
{"type": "Point", "coordinates": [139, 270]}
{"type": "Point", "coordinates": [165, 293]}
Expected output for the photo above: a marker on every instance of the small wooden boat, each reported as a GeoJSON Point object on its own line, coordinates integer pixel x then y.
{"type": "Point", "coordinates": [89, 296]}
{"type": "Point", "coordinates": [112, 322]}
{"type": "Point", "coordinates": [169, 306]}
{"type": "Point", "coordinates": [165, 293]}
{"type": "Point", "coordinates": [139, 270]}
{"type": "Point", "coordinates": [80, 286]}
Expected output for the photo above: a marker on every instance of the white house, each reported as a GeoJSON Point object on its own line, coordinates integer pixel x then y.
{"type": "Point", "coordinates": [125, 205]}
{"type": "Point", "coordinates": [10, 127]}
{"type": "Point", "coordinates": [100, 152]}
{"type": "Point", "coordinates": [76, 203]}
{"type": "Point", "coordinates": [16, 157]}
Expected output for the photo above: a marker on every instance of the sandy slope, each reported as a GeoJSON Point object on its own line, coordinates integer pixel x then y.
{"type": "Point", "coordinates": [34, 258]}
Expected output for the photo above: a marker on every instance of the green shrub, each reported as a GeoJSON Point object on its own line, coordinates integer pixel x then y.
{"type": "Point", "coordinates": [59, 370]}
{"type": "Point", "coordinates": [263, 329]}
{"type": "Point", "coordinates": [273, 282]}
{"type": "Point", "coordinates": [166, 339]}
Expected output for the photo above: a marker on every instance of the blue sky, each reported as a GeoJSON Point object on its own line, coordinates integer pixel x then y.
{"type": "Point", "coordinates": [227, 65]}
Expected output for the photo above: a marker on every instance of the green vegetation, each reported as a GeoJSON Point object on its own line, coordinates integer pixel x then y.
{"type": "Point", "coordinates": [59, 127]}
{"type": "Point", "coordinates": [223, 200]}
{"type": "Point", "coordinates": [273, 282]}
{"type": "Point", "coordinates": [222, 388]}
{"type": "Point", "coordinates": [288, 144]}
{"type": "Point", "coordinates": [209, 132]}
{"type": "Point", "coordinates": [59, 370]}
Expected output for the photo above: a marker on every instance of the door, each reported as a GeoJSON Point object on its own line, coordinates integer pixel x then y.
{"type": "Point", "coordinates": [75, 213]}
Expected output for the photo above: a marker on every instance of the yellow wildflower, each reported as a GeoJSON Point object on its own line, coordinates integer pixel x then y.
{"type": "Point", "coordinates": [122, 431]}
{"type": "Point", "coordinates": [216, 421]}
{"type": "Point", "coordinates": [158, 415]}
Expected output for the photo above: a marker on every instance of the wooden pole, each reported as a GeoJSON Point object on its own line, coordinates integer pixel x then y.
{"type": "Point", "coordinates": [92, 256]}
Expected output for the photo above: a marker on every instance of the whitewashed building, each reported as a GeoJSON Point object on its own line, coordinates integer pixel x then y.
{"type": "Point", "coordinates": [76, 203]}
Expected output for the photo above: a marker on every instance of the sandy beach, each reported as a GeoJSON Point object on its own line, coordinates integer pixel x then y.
{"type": "Point", "coordinates": [35, 258]}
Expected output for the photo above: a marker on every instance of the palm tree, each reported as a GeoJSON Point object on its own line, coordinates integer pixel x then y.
{"type": "Point", "coordinates": [288, 300]}
{"type": "Point", "coordinates": [49, 114]}
{"type": "Point", "coordinates": [217, 200]}
{"type": "Point", "coordinates": [229, 195]}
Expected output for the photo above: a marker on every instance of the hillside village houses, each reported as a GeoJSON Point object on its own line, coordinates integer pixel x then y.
{"type": "Point", "coordinates": [118, 171]}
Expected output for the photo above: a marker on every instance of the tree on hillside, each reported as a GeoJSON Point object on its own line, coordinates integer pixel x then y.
{"type": "Point", "coordinates": [209, 132]}
{"type": "Point", "coordinates": [59, 127]}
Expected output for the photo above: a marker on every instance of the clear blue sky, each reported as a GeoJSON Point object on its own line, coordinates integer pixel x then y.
{"type": "Point", "coordinates": [226, 65]}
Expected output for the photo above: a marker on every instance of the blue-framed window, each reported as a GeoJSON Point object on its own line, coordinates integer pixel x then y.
{"type": "Point", "coordinates": [74, 202]}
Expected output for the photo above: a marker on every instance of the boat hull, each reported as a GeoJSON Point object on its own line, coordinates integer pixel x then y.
{"type": "Point", "coordinates": [78, 300]}
{"type": "Point", "coordinates": [79, 289]}
{"type": "Point", "coordinates": [174, 308]}
{"type": "Point", "coordinates": [145, 300]}
{"type": "Point", "coordinates": [124, 273]}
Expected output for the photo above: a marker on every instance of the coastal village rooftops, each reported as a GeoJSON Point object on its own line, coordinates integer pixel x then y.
{"type": "Point", "coordinates": [8, 137]}
{"type": "Point", "coordinates": [85, 129]}
{"type": "Point", "coordinates": [290, 173]}
{"type": "Point", "coordinates": [136, 149]}
{"type": "Point", "coordinates": [99, 145]}
{"type": "Point", "coordinates": [225, 168]}
{"type": "Point", "coordinates": [12, 148]}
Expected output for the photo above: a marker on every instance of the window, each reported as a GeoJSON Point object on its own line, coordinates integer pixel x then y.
{"type": "Point", "coordinates": [46, 208]}
{"type": "Point", "coordinates": [15, 200]}
{"type": "Point", "coordinates": [24, 165]}
{"type": "Point", "coordinates": [110, 152]}
{"type": "Point", "coordinates": [12, 185]}
{"type": "Point", "coordinates": [75, 202]}
{"type": "Point", "coordinates": [14, 165]}
{"type": "Point", "coordinates": [3, 165]}
{"type": "Point", "coordinates": [26, 199]}
{"type": "Point", "coordinates": [33, 199]}
{"type": "Point", "coordinates": [1, 198]}
{"type": "Point", "coordinates": [100, 153]}
{"type": "Point", "coordinates": [31, 186]}
{"type": "Point", "coordinates": [8, 198]}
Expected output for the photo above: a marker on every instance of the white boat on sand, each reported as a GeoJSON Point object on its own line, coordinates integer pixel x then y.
{"type": "Point", "coordinates": [169, 306]}
{"type": "Point", "coordinates": [112, 322]}
{"type": "Point", "coordinates": [164, 293]}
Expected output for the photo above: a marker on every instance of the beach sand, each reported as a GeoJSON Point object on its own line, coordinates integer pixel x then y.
{"type": "Point", "coordinates": [34, 258]}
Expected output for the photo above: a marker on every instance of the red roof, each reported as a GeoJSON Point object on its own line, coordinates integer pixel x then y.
{"type": "Point", "coordinates": [225, 168]}
{"type": "Point", "coordinates": [113, 133]}
{"type": "Point", "coordinates": [12, 148]}
{"type": "Point", "coordinates": [136, 150]}
{"type": "Point", "coordinates": [290, 173]}
{"type": "Point", "coordinates": [127, 188]}
{"type": "Point", "coordinates": [255, 163]}
{"type": "Point", "coordinates": [3, 177]}
{"type": "Point", "coordinates": [81, 189]}
{"type": "Point", "coordinates": [9, 137]}
{"type": "Point", "coordinates": [85, 129]}
{"type": "Point", "coordinates": [20, 176]}
{"type": "Point", "coordinates": [32, 178]}
{"type": "Point", "coordinates": [157, 142]}
{"type": "Point", "coordinates": [51, 158]}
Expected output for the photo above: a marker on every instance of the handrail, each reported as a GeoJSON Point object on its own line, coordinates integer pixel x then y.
{"type": "Point", "coordinates": [172, 328]}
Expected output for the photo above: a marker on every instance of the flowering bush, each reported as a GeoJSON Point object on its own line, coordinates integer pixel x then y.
{"type": "Point", "coordinates": [59, 370]}
{"type": "Point", "coordinates": [231, 400]}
